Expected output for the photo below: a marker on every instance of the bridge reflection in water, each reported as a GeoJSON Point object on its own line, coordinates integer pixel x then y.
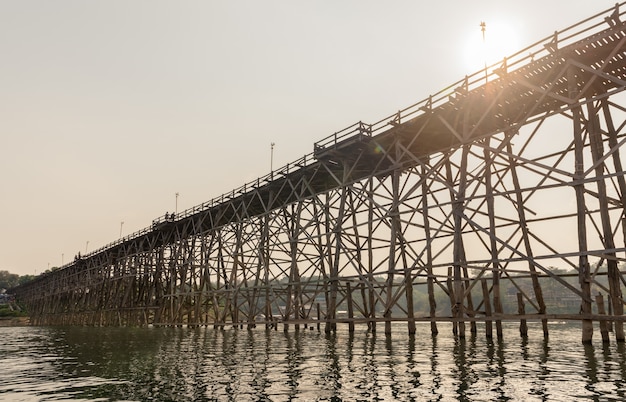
{"type": "Point", "coordinates": [467, 199]}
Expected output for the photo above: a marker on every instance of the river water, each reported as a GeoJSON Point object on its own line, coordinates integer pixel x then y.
{"type": "Point", "coordinates": [204, 364]}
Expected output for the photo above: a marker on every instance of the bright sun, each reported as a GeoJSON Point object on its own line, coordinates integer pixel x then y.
{"type": "Point", "coordinates": [501, 40]}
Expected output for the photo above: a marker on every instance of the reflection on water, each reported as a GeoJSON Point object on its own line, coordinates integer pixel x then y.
{"type": "Point", "coordinates": [181, 364]}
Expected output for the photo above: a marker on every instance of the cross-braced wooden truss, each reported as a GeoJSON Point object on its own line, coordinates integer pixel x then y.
{"type": "Point", "coordinates": [457, 208]}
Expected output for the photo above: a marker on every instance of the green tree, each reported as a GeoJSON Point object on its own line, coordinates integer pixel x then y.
{"type": "Point", "coordinates": [25, 278]}
{"type": "Point", "coordinates": [8, 280]}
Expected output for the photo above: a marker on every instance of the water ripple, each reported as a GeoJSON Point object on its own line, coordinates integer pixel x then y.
{"type": "Point", "coordinates": [180, 364]}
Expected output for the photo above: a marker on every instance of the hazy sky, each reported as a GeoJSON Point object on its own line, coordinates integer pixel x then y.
{"type": "Point", "coordinates": [108, 108]}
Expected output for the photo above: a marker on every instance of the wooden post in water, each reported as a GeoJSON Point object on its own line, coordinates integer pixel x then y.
{"type": "Point", "coordinates": [487, 303]}
{"type": "Point", "coordinates": [470, 303]}
{"type": "Point", "coordinates": [455, 326]}
{"type": "Point", "coordinates": [430, 281]}
{"type": "Point", "coordinates": [459, 259]}
{"type": "Point", "coordinates": [526, 238]}
{"type": "Point", "coordinates": [371, 301]}
{"type": "Point", "coordinates": [393, 240]}
{"type": "Point", "coordinates": [350, 307]}
{"type": "Point", "coordinates": [581, 209]}
{"type": "Point", "coordinates": [615, 301]}
{"type": "Point", "coordinates": [523, 328]}
{"type": "Point", "coordinates": [408, 286]}
{"type": "Point", "coordinates": [493, 245]}
{"type": "Point", "coordinates": [364, 299]}
{"type": "Point", "coordinates": [604, 331]}
{"type": "Point", "coordinates": [331, 308]}
{"type": "Point", "coordinates": [609, 323]}
{"type": "Point", "coordinates": [319, 316]}
{"type": "Point", "coordinates": [264, 255]}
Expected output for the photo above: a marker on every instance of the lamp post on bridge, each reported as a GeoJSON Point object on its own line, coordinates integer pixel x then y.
{"type": "Point", "coordinates": [176, 209]}
{"type": "Point", "coordinates": [121, 225]}
{"type": "Point", "coordinates": [86, 246]}
{"type": "Point", "coordinates": [272, 159]}
{"type": "Point", "coordinates": [483, 28]}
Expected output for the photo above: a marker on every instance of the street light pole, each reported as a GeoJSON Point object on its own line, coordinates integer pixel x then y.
{"type": "Point", "coordinates": [121, 225]}
{"type": "Point", "coordinates": [176, 209]}
{"type": "Point", "coordinates": [483, 28]}
{"type": "Point", "coordinates": [86, 246]}
{"type": "Point", "coordinates": [272, 158]}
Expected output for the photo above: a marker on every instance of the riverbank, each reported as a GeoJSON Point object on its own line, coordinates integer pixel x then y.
{"type": "Point", "coordinates": [14, 321]}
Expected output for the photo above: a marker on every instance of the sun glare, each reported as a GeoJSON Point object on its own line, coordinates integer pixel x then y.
{"type": "Point", "coordinates": [500, 40]}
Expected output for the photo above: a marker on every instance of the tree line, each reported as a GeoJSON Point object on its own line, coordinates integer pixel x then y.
{"type": "Point", "coordinates": [9, 280]}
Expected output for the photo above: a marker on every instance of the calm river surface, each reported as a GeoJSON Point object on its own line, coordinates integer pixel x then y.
{"type": "Point", "coordinates": [181, 364]}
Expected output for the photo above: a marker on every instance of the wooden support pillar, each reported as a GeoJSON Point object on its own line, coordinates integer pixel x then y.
{"type": "Point", "coordinates": [361, 287]}
{"type": "Point", "coordinates": [401, 247]}
{"type": "Point", "coordinates": [609, 324]}
{"type": "Point", "coordinates": [458, 205]}
{"type": "Point", "coordinates": [470, 302]}
{"type": "Point", "coordinates": [455, 324]}
{"type": "Point", "coordinates": [371, 299]}
{"type": "Point", "coordinates": [408, 283]}
{"type": "Point", "coordinates": [331, 314]}
{"type": "Point", "coordinates": [616, 305]}
{"type": "Point", "coordinates": [203, 287]}
{"type": "Point", "coordinates": [604, 330]}
{"type": "Point", "coordinates": [264, 246]}
{"type": "Point", "coordinates": [324, 249]}
{"type": "Point", "coordinates": [526, 239]}
{"type": "Point", "coordinates": [350, 307]}
{"type": "Point", "coordinates": [259, 278]}
{"type": "Point", "coordinates": [487, 304]}
{"type": "Point", "coordinates": [393, 240]}
{"type": "Point", "coordinates": [521, 310]}
{"type": "Point", "coordinates": [584, 278]}
{"type": "Point", "coordinates": [493, 244]}
{"type": "Point", "coordinates": [319, 316]}
{"type": "Point", "coordinates": [430, 281]}
{"type": "Point", "coordinates": [173, 277]}
{"type": "Point", "coordinates": [289, 308]}
{"type": "Point", "coordinates": [294, 287]}
{"type": "Point", "coordinates": [160, 284]}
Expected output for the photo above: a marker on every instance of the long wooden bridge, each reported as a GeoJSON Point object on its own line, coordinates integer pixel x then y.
{"type": "Point", "coordinates": [464, 207]}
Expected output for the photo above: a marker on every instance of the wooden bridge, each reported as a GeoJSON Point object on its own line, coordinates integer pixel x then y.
{"type": "Point", "coordinates": [464, 207]}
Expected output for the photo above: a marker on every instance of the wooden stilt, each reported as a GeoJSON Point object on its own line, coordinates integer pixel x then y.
{"type": "Point", "coordinates": [487, 305]}
{"type": "Point", "coordinates": [615, 302]}
{"type": "Point", "coordinates": [521, 310]}
{"type": "Point", "coordinates": [455, 324]}
{"type": "Point", "coordinates": [430, 280]}
{"type": "Point", "coordinates": [604, 330]}
{"type": "Point", "coordinates": [319, 317]}
{"type": "Point", "coordinates": [609, 323]}
{"type": "Point", "coordinates": [581, 212]}
{"type": "Point", "coordinates": [526, 240]}
{"type": "Point", "coordinates": [350, 307]}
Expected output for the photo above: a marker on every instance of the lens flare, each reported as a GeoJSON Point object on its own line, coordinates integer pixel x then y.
{"type": "Point", "coordinates": [501, 39]}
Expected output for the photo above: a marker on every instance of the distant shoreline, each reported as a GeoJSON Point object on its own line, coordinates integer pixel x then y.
{"type": "Point", "coordinates": [14, 321]}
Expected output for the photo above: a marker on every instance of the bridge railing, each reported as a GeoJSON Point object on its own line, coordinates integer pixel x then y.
{"type": "Point", "coordinates": [609, 18]}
